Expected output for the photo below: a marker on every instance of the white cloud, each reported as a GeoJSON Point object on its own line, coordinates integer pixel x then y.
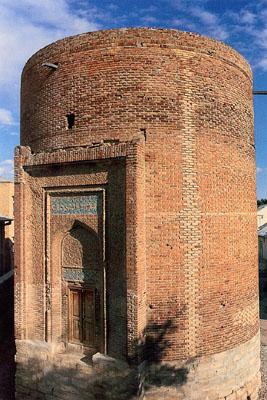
{"type": "Point", "coordinates": [249, 25]}
{"type": "Point", "coordinates": [260, 37]}
{"type": "Point", "coordinates": [247, 17]}
{"type": "Point", "coordinates": [183, 23]}
{"type": "Point", "coordinates": [7, 169]}
{"type": "Point", "coordinates": [259, 170]}
{"type": "Point", "coordinates": [7, 162]}
{"type": "Point", "coordinates": [113, 7]}
{"type": "Point", "coordinates": [28, 25]}
{"type": "Point", "coordinates": [211, 23]}
{"type": "Point", "coordinates": [178, 21]}
{"type": "Point", "coordinates": [149, 19]}
{"type": "Point", "coordinates": [263, 64]}
{"type": "Point", "coordinates": [205, 16]}
{"type": "Point", "coordinates": [184, 4]}
{"type": "Point", "coordinates": [6, 117]}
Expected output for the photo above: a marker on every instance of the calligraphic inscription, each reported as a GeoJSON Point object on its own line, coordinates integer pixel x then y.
{"type": "Point", "coordinates": [81, 275]}
{"type": "Point", "coordinates": [76, 204]}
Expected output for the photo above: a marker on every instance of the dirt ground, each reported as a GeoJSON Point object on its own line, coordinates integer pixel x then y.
{"type": "Point", "coordinates": [7, 345]}
{"type": "Point", "coordinates": [263, 392]}
{"type": "Point", "coordinates": [263, 322]}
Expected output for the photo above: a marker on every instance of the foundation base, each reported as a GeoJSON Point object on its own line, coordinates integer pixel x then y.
{"type": "Point", "coordinates": [46, 372]}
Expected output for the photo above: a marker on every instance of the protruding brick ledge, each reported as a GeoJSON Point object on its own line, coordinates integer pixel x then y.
{"type": "Point", "coordinates": [74, 154]}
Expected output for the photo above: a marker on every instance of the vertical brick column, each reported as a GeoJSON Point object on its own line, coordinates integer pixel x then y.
{"type": "Point", "coordinates": [19, 246]}
{"type": "Point", "coordinates": [135, 244]}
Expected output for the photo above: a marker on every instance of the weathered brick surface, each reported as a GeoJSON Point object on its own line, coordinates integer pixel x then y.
{"type": "Point", "coordinates": [233, 374]}
{"type": "Point", "coordinates": [164, 130]}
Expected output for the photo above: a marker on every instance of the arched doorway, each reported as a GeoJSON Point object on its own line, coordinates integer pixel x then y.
{"type": "Point", "coordinates": [82, 276]}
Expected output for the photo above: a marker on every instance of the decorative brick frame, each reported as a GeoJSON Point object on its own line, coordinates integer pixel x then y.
{"type": "Point", "coordinates": [133, 154]}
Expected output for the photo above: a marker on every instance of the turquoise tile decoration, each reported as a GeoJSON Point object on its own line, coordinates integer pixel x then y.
{"type": "Point", "coordinates": [78, 205]}
{"type": "Point", "coordinates": [81, 275]}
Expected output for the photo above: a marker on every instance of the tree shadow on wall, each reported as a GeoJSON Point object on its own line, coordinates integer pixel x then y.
{"type": "Point", "coordinates": [108, 379]}
{"type": "Point", "coordinates": [151, 353]}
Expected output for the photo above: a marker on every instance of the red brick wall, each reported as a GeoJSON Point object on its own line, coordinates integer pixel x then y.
{"type": "Point", "coordinates": [191, 246]}
{"type": "Point", "coordinates": [116, 82]}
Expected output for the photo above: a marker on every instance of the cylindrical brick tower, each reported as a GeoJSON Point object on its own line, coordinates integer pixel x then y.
{"type": "Point", "coordinates": [135, 200]}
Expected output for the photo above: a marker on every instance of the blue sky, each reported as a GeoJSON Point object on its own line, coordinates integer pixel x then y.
{"type": "Point", "coordinates": [27, 25]}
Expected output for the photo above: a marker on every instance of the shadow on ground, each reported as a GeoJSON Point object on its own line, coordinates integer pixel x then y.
{"type": "Point", "coordinates": [107, 378]}
{"type": "Point", "coordinates": [7, 341]}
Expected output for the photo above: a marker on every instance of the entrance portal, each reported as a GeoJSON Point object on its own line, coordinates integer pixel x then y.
{"type": "Point", "coordinates": [82, 274]}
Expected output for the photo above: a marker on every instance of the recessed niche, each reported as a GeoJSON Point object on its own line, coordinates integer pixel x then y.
{"type": "Point", "coordinates": [70, 120]}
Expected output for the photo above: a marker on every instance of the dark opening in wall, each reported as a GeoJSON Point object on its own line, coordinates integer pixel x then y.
{"type": "Point", "coordinates": [70, 120]}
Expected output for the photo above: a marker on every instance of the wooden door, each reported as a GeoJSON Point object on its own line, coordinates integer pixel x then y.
{"type": "Point", "coordinates": [88, 325]}
{"type": "Point", "coordinates": [82, 316]}
{"type": "Point", "coordinates": [75, 314]}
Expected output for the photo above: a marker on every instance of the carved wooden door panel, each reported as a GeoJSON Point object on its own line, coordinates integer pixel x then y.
{"type": "Point", "coordinates": [82, 316]}
{"type": "Point", "coordinates": [88, 317]}
{"type": "Point", "coordinates": [75, 315]}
